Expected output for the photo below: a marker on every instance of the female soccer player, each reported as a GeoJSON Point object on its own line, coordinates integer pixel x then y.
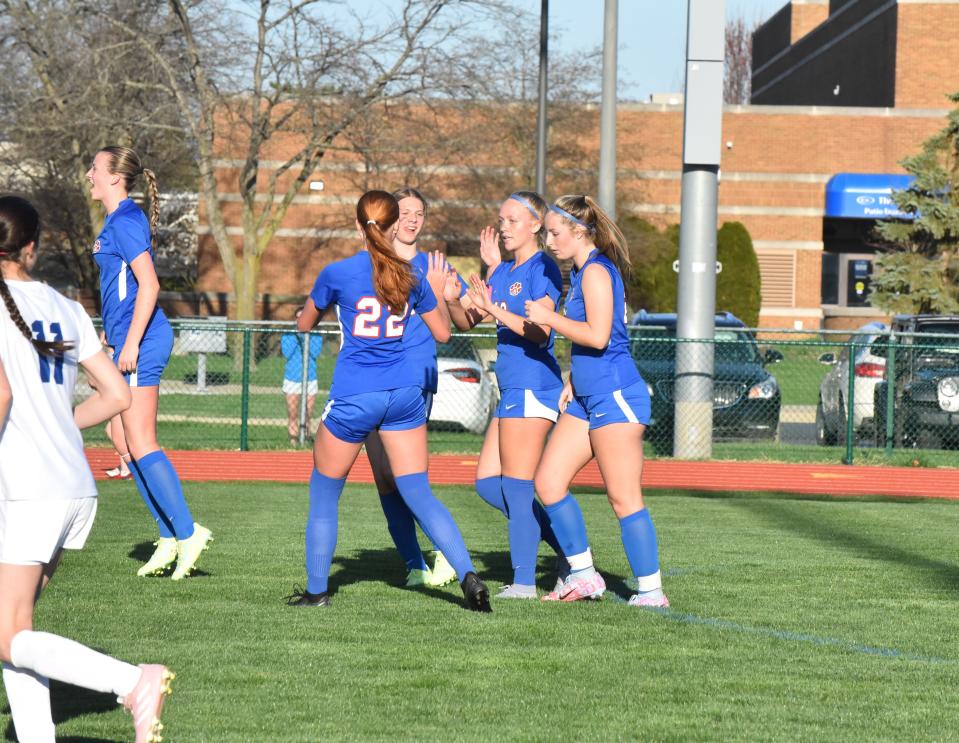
{"type": "Point", "coordinates": [143, 339]}
{"type": "Point", "coordinates": [47, 494]}
{"type": "Point", "coordinates": [529, 380]}
{"type": "Point", "coordinates": [420, 348]}
{"type": "Point", "coordinates": [608, 403]}
{"type": "Point", "coordinates": [375, 387]}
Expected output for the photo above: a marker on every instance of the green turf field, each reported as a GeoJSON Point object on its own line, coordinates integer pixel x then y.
{"type": "Point", "coordinates": [792, 619]}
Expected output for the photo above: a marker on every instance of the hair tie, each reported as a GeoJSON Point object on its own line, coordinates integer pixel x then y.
{"type": "Point", "coordinates": [564, 213]}
{"type": "Point", "coordinates": [371, 221]}
{"type": "Point", "coordinates": [529, 206]}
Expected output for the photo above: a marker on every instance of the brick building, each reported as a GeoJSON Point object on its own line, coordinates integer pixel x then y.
{"type": "Point", "coordinates": [843, 90]}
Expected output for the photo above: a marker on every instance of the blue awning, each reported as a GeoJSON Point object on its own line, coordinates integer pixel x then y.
{"type": "Point", "coordinates": [865, 195]}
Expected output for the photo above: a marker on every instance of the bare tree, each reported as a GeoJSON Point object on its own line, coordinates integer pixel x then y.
{"type": "Point", "coordinates": [68, 86]}
{"type": "Point", "coordinates": [738, 65]}
{"type": "Point", "coordinates": [281, 70]}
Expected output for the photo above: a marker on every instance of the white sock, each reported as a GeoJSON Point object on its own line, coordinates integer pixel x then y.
{"type": "Point", "coordinates": [647, 583]}
{"type": "Point", "coordinates": [28, 695]}
{"type": "Point", "coordinates": [582, 561]}
{"type": "Point", "coordinates": [72, 663]}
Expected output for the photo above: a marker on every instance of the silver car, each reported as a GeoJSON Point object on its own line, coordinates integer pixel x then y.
{"type": "Point", "coordinates": [466, 395]}
{"type": "Point", "coordinates": [868, 370]}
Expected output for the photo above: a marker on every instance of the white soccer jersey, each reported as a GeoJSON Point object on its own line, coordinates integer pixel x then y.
{"type": "Point", "coordinates": [41, 449]}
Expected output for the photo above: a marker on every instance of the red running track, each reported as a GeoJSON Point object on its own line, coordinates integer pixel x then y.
{"type": "Point", "coordinates": [454, 469]}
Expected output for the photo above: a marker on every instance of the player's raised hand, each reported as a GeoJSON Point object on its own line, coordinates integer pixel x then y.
{"type": "Point", "coordinates": [479, 293]}
{"type": "Point", "coordinates": [436, 270]}
{"type": "Point", "coordinates": [489, 249]}
{"type": "Point", "coordinates": [453, 287]}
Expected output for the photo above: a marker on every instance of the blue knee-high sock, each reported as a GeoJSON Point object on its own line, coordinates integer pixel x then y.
{"type": "Point", "coordinates": [546, 532]}
{"type": "Point", "coordinates": [163, 523]}
{"type": "Point", "coordinates": [436, 521]}
{"type": "Point", "coordinates": [490, 489]}
{"type": "Point", "coordinates": [163, 484]}
{"type": "Point", "coordinates": [321, 527]}
{"type": "Point", "coordinates": [639, 540]}
{"type": "Point", "coordinates": [402, 527]}
{"type": "Point", "coordinates": [570, 528]}
{"type": "Point", "coordinates": [524, 531]}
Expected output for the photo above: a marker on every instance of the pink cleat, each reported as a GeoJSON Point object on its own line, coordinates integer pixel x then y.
{"type": "Point", "coordinates": [651, 602]}
{"type": "Point", "coordinates": [577, 589]}
{"type": "Point", "coordinates": [145, 702]}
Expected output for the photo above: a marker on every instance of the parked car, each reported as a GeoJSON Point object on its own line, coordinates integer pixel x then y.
{"type": "Point", "coordinates": [867, 369]}
{"type": "Point", "coordinates": [466, 395]}
{"type": "Point", "coordinates": [926, 383]}
{"type": "Point", "coordinates": [746, 397]}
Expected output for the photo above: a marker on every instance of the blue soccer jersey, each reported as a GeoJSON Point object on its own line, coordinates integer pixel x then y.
{"type": "Point", "coordinates": [597, 370]}
{"type": "Point", "coordinates": [519, 363]}
{"type": "Point", "coordinates": [372, 355]}
{"type": "Point", "coordinates": [125, 235]}
{"type": "Point", "coordinates": [418, 340]}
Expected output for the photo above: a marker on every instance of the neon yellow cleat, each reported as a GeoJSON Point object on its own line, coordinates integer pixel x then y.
{"type": "Point", "coordinates": [163, 557]}
{"type": "Point", "coordinates": [189, 551]}
{"type": "Point", "coordinates": [418, 578]}
{"type": "Point", "coordinates": [442, 572]}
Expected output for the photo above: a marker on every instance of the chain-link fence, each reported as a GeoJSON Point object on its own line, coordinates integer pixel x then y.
{"type": "Point", "coordinates": [774, 393]}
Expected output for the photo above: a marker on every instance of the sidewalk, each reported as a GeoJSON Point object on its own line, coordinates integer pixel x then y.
{"type": "Point", "coordinates": [453, 469]}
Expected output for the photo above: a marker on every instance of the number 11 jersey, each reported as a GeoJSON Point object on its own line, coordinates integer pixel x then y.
{"type": "Point", "coordinates": [41, 449]}
{"type": "Point", "coordinates": [372, 356]}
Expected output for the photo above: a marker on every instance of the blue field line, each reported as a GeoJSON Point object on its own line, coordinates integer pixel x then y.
{"type": "Point", "coordinates": [832, 642]}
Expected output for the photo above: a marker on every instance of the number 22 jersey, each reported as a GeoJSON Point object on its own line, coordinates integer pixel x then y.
{"type": "Point", "coordinates": [372, 355]}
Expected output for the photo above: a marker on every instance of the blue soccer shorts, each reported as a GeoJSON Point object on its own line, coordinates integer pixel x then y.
{"type": "Point", "coordinates": [628, 405]}
{"type": "Point", "coordinates": [520, 403]}
{"type": "Point", "coordinates": [155, 349]}
{"type": "Point", "coordinates": [353, 417]}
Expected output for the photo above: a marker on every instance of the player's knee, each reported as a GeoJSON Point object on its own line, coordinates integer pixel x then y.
{"type": "Point", "coordinates": [12, 622]}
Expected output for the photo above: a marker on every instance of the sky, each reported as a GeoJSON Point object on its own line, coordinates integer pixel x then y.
{"type": "Point", "coordinates": [652, 36]}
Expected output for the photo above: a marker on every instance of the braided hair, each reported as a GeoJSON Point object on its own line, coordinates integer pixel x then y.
{"type": "Point", "coordinates": [20, 226]}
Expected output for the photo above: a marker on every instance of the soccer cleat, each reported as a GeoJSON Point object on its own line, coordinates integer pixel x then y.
{"type": "Point", "coordinates": [163, 557]}
{"type": "Point", "coordinates": [116, 472]}
{"type": "Point", "coordinates": [578, 588]}
{"type": "Point", "coordinates": [146, 700]}
{"type": "Point", "coordinates": [299, 597]}
{"type": "Point", "coordinates": [652, 602]}
{"type": "Point", "coordinates": [442, 572]}
{"type": "Point", "coordinates": [418, 577]}
{"type": "Point", "coordinates": [517, 591]}
{"type": "Point", "coordinates": [476, 593]}
{"type": "Point", "coordinates": [562, 573]}
{"type": "Point", "coordinates": [189, 551]}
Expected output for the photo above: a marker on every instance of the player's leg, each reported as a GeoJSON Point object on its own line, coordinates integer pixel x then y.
{"type": "Point", "coordinates": [521, 447]}
{"type": "Point", "coordinates": [403, 434]}
{"type": "Point", "coordinates": [399, 518]}
{"type": "Point", "coordinates": [159, 479]}
{"type": "Point", "coordinates": [619, 454]}
{"type": "Point", "coordinates": [567, 452]}
{"type": "Point", "coordinates": [31, 530]}
{"type": "Point", "coordinates": [292, 417]}
{"type": "Point", "coordinates": [489, 485]}
{"type": "Point", "coordinates": [338, 441]}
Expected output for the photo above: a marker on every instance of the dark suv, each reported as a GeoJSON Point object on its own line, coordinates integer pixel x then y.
{"type": "Point", "coordinates": [926, 383]}
{"type": "Point", "coordinates": [746, 397]}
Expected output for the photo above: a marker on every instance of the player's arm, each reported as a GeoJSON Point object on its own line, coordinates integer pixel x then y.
{"type": "Point", "coordinates": [462, 312]}
{"type": "Point", "coordinates": [111, 394]}
{"type": "Point", "coordinates": [533, 331]}
{"type": "Point", "coordinates": [438, 324]}
{"type": "Point", "coordinates": [598, 296]}
{"type": "Point", "coordinates": [6, 396]}
{"type": "Point", "coordinates": [148, 291]}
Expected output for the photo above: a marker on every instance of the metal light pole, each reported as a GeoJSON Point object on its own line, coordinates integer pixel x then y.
{"type": "Point", "coordinates": [541, 112]}
{"type": "Point", "coordinates": [607, 116]}
{"type": "Point", "coordinates": [702, 135]}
